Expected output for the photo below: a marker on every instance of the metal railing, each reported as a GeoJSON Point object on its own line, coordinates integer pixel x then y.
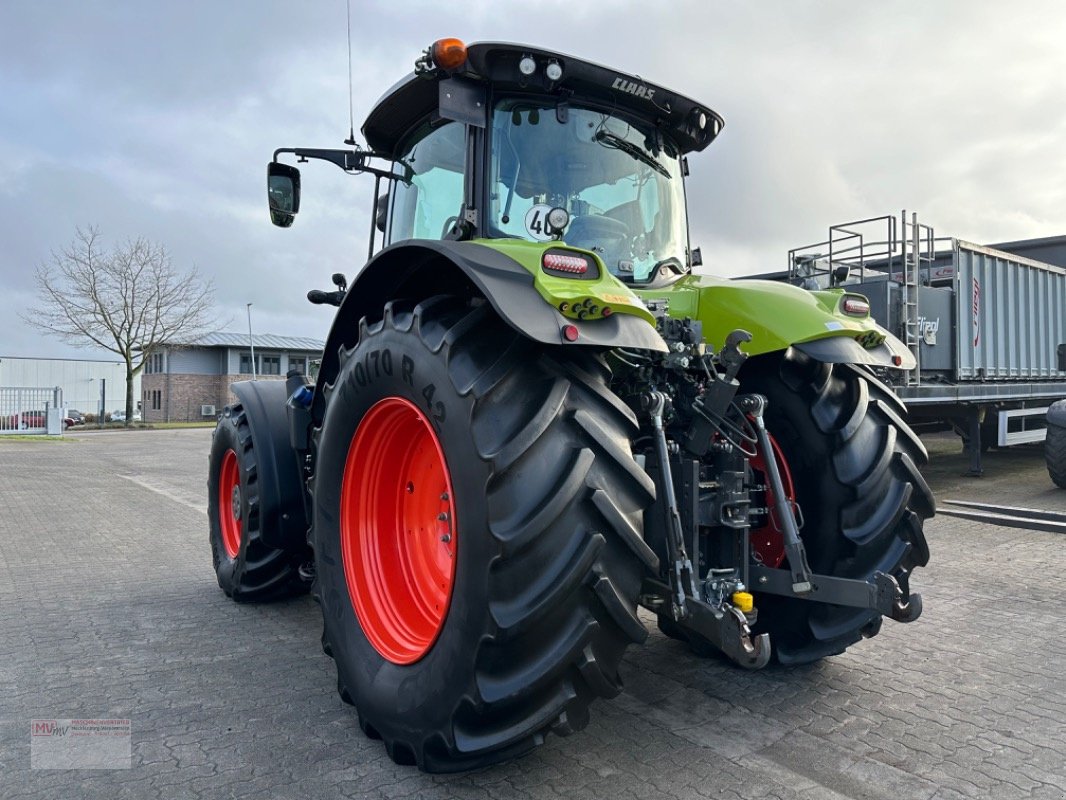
{"type": "Point", "coordinates": [24, 409]}
{"type": "Point", "coordinates": [896, 247]}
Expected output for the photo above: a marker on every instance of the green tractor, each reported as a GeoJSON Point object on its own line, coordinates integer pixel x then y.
{"type": "Point", "coordinates": [532, 419]}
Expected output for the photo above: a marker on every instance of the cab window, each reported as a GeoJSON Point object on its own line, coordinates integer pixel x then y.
{"type": "Point", "coordinates": [427, 194]}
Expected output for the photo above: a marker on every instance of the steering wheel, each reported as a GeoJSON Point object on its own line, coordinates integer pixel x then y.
{"type": "Point", "coordinates": [604, 235]}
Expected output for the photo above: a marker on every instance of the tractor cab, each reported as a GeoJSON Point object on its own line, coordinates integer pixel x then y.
{"type": "Point", "coordinates": [505, 141]}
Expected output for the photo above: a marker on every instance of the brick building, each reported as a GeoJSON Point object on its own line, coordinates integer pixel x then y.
{"type": "Point", "coordinates": [190, 381]}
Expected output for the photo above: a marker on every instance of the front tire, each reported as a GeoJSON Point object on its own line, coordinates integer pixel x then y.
{"type": "Point", "coordinates": [542, 516]}
{"type": "Point", "coordinates": [854, 462]}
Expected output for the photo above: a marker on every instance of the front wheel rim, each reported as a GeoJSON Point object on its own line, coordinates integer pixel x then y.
{"type": "Point", "coordinates": [230, 512]}
{"type": "Point", "coordinates": [398, 531]}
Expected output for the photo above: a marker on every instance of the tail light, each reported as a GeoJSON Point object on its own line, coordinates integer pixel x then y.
{"type": "Point", "coordinates": [855, 305]}
{"type": "Point", "coordinates": [569, 264]}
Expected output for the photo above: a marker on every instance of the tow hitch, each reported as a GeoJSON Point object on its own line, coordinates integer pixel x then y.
{"type": "Point", "coordinates": [716, 610]}
{"type": "Point", "coordinates": [883, 594]}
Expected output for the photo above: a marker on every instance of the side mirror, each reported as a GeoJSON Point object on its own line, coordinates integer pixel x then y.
{"type": "Point", "coordinates": [283, 193]}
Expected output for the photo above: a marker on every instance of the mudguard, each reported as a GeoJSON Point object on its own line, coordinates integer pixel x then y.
{"type": "Point", "coordinates": [423, 268]}
{"type": "Point", "coordinates": [1056, 414]}
{"type": "Point", "coordinates": [281, 512]}
{"type": "Point", "coordinates": [846, 350]}
{"type": "Point", "coordinates": [780, 316]}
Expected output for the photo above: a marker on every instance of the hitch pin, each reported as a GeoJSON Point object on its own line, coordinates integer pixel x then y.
{"type": "Point", "coordinates": [755, 405]}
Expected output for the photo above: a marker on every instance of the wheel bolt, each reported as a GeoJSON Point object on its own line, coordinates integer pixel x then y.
{"type": "Point", "coordinates": [235, 502]}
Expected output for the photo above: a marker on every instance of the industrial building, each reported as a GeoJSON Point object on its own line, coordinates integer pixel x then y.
{"type": "Point", "coordinates": [190, 381]}
{"type": "Point", "coordinates": [83, 383]}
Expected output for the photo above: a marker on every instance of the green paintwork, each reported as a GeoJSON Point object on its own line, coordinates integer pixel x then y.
{"type": "Point", "coordinates": [775, 314]}
{"type": "Point", "coordinates": [606, 291]}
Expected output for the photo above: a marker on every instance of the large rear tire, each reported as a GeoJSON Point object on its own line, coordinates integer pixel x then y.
{"type": "Point", "coordinates": [467, 647]}
{"type": "Point", "coordinates": [854, 462]}
{"type": "Point", "coordinates": [247, 569]}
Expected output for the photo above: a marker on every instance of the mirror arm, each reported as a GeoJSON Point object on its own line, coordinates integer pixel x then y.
{"type": "Point", "coordinates": [348, 160]}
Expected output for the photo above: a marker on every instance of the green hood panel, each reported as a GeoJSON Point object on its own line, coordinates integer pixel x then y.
{"type": "Point", "coordinates": [777, 315]}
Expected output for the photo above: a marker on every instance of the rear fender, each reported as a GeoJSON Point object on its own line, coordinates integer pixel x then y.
{"type": "Point", "coordinates": [281, 491]}
{"type": "Point", "coordinates": [423, 268]}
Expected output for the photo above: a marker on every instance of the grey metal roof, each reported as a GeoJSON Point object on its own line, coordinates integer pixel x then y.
{"type": "Point", "coordinates": [267, 341]}
{"type": "Point", "coordinates": [1044, 241]}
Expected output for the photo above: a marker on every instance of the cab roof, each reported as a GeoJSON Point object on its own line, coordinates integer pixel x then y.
{"type": "Point", "coordinates": [495, 65]}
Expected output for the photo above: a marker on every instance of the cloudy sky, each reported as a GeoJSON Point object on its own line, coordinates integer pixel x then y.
{"type": "Point", "coordinates": [156, 119]}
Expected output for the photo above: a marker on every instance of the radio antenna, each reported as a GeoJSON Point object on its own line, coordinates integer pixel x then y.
{"type": "Point", "coordinates": [351, 110]}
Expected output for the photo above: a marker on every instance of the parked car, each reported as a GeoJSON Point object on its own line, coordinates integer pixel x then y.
{"type": "Point", "coordinates": [75, 417]}
{"type": "Point", "coordinates": [120, 416]}
{"type": "Point", "coordinates": [33, 419]}
{"type": "Point", "coordinates": [27, 419]}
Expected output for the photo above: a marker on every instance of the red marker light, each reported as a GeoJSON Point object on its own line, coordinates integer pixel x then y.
{"type": "Point", "coordinates": [576, 265]}
{"type": "Point", "coordinates": [897, 360]}
{"type": "Point", "coordinates": [570, 333]}
{"type": "Point", "coordinates": [607, 311]}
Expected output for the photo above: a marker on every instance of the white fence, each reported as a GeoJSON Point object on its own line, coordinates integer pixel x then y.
{"type": "Point", "coordinates": [25, 409]}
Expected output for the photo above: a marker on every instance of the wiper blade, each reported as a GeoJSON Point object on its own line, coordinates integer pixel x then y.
{"type": "Point", "coordinates": [608, 139]}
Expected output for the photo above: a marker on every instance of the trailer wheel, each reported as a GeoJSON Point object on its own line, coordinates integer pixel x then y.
{"type": "Point", "coordinates": [247, 569]}
{"type": "Point", "coordinates": [477, 535]}
{"type": "Point", "coordinates": [1055, 454]}
{"type": "Point", "coordinates": [853, 460]}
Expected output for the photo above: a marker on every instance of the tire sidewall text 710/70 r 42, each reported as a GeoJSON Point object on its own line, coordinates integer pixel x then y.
{"type": "Point", "coordinates": [547, 549]}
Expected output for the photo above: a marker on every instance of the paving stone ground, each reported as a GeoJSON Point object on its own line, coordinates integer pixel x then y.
{"type": "Point", "coordinates": [109, 609]}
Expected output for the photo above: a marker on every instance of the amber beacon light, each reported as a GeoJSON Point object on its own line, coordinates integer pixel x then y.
{"type": "Point", "coordinates": [449, 54]}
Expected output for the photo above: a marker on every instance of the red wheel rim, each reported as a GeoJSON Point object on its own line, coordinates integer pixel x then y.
{"type": "Point", "coordinates": [767, 541]}
{"type": "Point", "coordinates": [398, 530]}
{"type": "Point", "coordinates": [230, 511]}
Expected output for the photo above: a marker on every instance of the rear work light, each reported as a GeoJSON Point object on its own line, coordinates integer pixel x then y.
{"type": "Point", "coordinates": [855, 306]}
{"type": "Point", "coordinates": [568, 264]}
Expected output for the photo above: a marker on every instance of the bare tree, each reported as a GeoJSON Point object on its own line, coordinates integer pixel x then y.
{"type": "Point", "coordinates": [128, 300]}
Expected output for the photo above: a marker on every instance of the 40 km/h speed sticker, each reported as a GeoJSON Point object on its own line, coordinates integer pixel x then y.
{"type": "Point", "coordinates": [537, 222]}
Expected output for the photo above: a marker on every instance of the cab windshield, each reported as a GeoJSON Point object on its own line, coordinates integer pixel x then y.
{"type": "Point", "coordinates": [620, 183]}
